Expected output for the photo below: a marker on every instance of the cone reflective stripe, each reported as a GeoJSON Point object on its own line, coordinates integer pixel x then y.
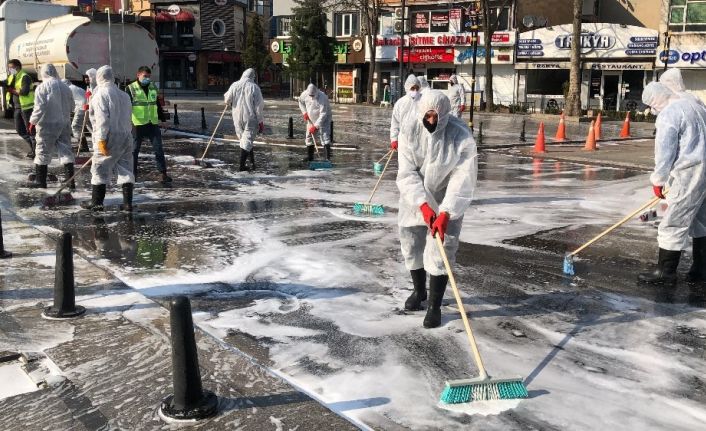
{"type": "Point", "coordinates": [561, 131]}
{"type": "Point", "coordinates": [64, 290]}
{"type": "Point", "coordinates": [3, 253]}
{"type": "Point", "coordinates": [625, 132]}
{"type": "Point", "coordinates": [591, 138]}
{"type": "Point", "coordinates": [189, 401]}
{"type": "Point", "coordinates": [597, 128]}
{"type": "Point", "coordinates": [539, 143]}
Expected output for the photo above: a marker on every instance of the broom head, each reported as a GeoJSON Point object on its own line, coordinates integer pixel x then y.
{"type": "Point", "coordinates": [63, 198]}
{"type": "Point", "coordinates": [569, 265]}
{"type": "Point", "coordinates": [483, 389]}
{"type": "Point", "coordinates": [378, 168]}
{"type": "Point", "coordinates": [202, 163]}
{"type": "Point", "coordinates": [80, 160]}
{"type": "Point", "coordinates": [369, 209]}
{"type": "Point", "coordinates": [316, 165]}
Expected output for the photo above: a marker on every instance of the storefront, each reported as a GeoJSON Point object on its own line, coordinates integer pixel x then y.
{"type": "Point", "coordinates": [688, 53]}
{"type": "Point", "coordinates": [616, 63]}
{"type": "Point", "coordinates": [349, 85]}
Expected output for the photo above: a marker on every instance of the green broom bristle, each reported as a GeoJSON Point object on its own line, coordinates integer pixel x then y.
{"type": "Point", "coordinates": [489, 391]}
{"type": "Point", "coordinates": [372, 209]}
{"type": "Point", "coordinates": [377, 168]}
{"type": "Point", "coordinates": [320, 164]}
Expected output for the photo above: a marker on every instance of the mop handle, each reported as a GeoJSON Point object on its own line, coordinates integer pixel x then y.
{"type": "Point", "coordinates": [379, 179]}
{"type": "Point", "coordinates": [67, 182]}
{"type": "Point", "coordinates": [83, 131]}
{"type": "Point", "coordinates": [627, 218]}
{"type": "Point", "coordinates": [214, 132]}
{"type": "Point", "coordinates": [462, 310]}
{"type": "Point", "coordinates": [312, 137]}
{"type": "Point", "coordinates": [383, 157]}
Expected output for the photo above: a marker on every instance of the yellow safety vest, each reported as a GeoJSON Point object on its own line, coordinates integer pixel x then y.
{"type": "Point", "coordinates": [26, 102]}
{"type": "Point", "coordinates": [144, 106]}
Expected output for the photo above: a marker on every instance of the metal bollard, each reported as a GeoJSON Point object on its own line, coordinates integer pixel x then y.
{"type": "Point", "coordinates": [64, 289]}
{"type": "Point", "coordinates": [4, 254]}
{"type": "Point", "coordinates": [189, 401]}
{"type": "Point", "coordinates": [332, 131]}
{"type": "Point", "coordinates": [203, 119]}
{"type": "Point", "coordinates": [480, 133]}
{"type": "Point", "coordinates": [176, 115]}
{"type": "Point", "coordinates": [522, 133]}
{"type": "Point", "coordinates": [290, 131]}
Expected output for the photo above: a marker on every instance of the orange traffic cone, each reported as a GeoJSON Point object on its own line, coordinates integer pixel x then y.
{"type": "Point", "coordinates": [561, 131]}
{"type": "Point", "coordinates": [625, 132]}
{"type": "Point", "coordinates": [591, 138]}
{"type": "Point", "coordinates": [597, 130]}
{"type": "Point", "coordinates": [539, 142]}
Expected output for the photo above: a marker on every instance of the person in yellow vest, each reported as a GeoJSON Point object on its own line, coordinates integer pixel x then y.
{"type": "Point", "coordinates": [19, 94]}
{"type": "Point", "coordinates": [147, 114]}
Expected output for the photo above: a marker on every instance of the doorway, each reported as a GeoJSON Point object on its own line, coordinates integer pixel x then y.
{"type": "Point", "coordinates": [610, 87]}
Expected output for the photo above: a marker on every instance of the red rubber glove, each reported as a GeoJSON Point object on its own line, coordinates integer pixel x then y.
{"type": "Point", "coordinates": [394, 145]}
{"type": "Point", "coordinates": [312, 129]}
{"type": "Point", "coordinates": [31, 128]}
{"type": "Point", "coordinates": [261, 127]}
{"type": "Point", "coordinates": [306, 116]}
{"type": "Point", "coordinates": [463, 108]}
{"type": "Point", "coordinates": [440, 225]}
{"type": "Point", "coordinates": [428, 214]}
{"type": "Point", "coordinates": [658, 191]}
{"type": "Point", "coordinates": [85, 107]}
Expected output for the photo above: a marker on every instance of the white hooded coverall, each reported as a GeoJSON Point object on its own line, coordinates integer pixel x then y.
{"type": "Point", "coordinates": [673, 80]}
{"type": "Point", "coordinates": [456, 95]}
{"type": "Point", "coordinates": [53, 105]}
{"type": "Point", "coordinates": [79, 95]}
{"type": "Point", "coordinates": [680, 165]}
{"type": "Point", "coordinates": [111, 114]}
{"type": "Point", "coordinates": [314, 102]}
{"type": "Point", "coordinates": [438, 168]}
{"type": "Point", "coordinates": [404, 107]}
{"type": "Point", "coordinates": [423, 83]}
{"type": "Point", "coordinates": [248, 108]}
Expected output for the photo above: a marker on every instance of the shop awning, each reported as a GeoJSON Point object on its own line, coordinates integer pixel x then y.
{"type": "Point", "coordinates": [182, 16]}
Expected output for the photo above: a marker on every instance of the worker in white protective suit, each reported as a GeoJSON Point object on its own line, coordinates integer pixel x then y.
{"type": "Point", "coordinates": [437, 176]}
{"type": "Point", "coordinates": [457, 96]}
{"type": "Point", "coordinates": [51, 118]}
{"type": "Point", "coordinates": [248, 105]}
{"type": "Point", "coordinates": [404, 107]}
{"type": "Point", "coordinates": [680, 167]}
{"type": "Point", "coordinates": [423, 83]}
{"type": "Point", "coordinates": [111, 114]}
{"type": "Point", "coordinates": [79, 95]}
{"type": "Point", "coordinates": [673, 80]}
{"type": "Point", "coordinates": [316, 109]}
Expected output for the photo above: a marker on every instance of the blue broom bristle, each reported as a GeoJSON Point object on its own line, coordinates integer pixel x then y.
{"type": "Point", "coordinates": [569, 265]}
{"type": "Point", "coordinates": [508, 390]}
{"type": "Point", "coordinates": [320, 164]}
{"type": "Point", "coordinates": [372, 209]}
{"type": "Point", "coordinates": [377, 168]}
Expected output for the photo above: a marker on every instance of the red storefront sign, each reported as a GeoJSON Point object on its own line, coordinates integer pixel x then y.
{"type": "Point", "coordinates": [500, 37]}
{"type": "Point", "coordinates": [428, 55]}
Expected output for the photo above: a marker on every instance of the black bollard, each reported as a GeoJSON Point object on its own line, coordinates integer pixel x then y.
{"type": "Point", "coordinates": [332, 131]}
{"type": "Point", "coordinates": [203, 119]}
{"type": "Point", "coordinates": [64, 296]}
{"type": "Point", "coordinates": [189, 401]}
{"type": "Point", "coordinates": [290, 132]}
{"type": "Point", "coordinates": [176, 115]}
{"type": "Point", "coordinates": [4, 254]}
{"type": "Point", "coordinates": [522, 133]}
{"type": "Point", "coordinates": [480, 133]}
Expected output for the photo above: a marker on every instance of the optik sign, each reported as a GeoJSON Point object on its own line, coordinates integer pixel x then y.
{"type": "Point", "coordinates": [589, 41]}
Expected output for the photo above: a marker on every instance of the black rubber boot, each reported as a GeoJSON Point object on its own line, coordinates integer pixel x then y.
{"type": "Point", "coordinates": [166, 179]}
{"type": "Point", "coordinates": [127, 197]}
{"type": "Point", "coordinates": [40, 179]}
{"type": "Point", "coordinates": [697, 272]}
{"type": "Point", "coordinates": [437, 287]}
{"type": "Point", "coordinates": [328, 152]}
{"type": "Point", "coordinates": [69, 173]}
{"type": "Point", "coordinates": [666, 270]}
{"type": "Point", "coordinates": [83, 145]}
{"type": "Point", "coordinates": [419, 279]}
{"type": "Point", "coordinates": [252, 159]}
{"type": "Point", "coordinates": [97, 197]}
{"type": "Point", "coordinates": [309, 154]}
{"type": "Point", "coordinates": [243, 158]}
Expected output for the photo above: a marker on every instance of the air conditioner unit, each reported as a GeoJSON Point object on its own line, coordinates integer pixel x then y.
{"type": "Point", "coordinates": [398, 26]}
{"type": "Point", "coordinates": [398, 12]}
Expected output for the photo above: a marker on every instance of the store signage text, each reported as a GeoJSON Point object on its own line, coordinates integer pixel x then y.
{"type": "Point", "coordinates": [673, 56]}
{"type": "Point", "coordinates": [588, 41]}
{"type": "Point", "coordinates": [467, 54]}
{"type": "Point", "coordinates": [429, 55]}
{"type": "Point", "coordinates": [440, 40]}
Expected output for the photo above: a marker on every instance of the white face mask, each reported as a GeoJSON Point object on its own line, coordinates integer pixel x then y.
{"type": "Point", "coordinates": [414, 94]}
{"type": "Point", "coordinates": [12, 70]}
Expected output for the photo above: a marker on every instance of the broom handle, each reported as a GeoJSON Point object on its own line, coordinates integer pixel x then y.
{"type": "Point", "coordinates": [214, 133]}
{"type": "Point", "coordinates": [83, 130]}
{"type": "Point", "coordinates": [67, 182]}
{"type": "Point", "coordinates": [383, 157]}
{"type": "Point", "coordinates": [379, 179]}
{"type": "Point", "coordinates": [313, 138]}
{"type": "Point", "coordinates": [462, 310]}
{"type": "Point", "coordinates": [627, 218]}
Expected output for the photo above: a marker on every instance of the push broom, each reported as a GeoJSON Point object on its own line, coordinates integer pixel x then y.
{"type": "Point", "coordinates": [569, 258]}
{"type": "Point", "coordinates": [377, 166]}
{"type": "Point", "coordinates": [483, 387]}
{"type": "Point", "coordinates": [368, 207]}
{"type": "Point", "coordinates": [59, 198]}
{"type": "Point", "coordinates": [200, 162]}
{"type": "Point", "coordinates": [318, 164]}
{"type": "Point", "coordinates": [78, 159]}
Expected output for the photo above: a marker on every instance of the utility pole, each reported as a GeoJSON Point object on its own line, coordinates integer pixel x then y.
{"type": "Point", "coordinates": [474, 28]}
{"type": "Point", "coordinates": [401, 59]}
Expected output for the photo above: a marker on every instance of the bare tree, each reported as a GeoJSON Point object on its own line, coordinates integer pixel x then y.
{"type": "Point", "coordinates": [490, 25]}
{"type": "Point", "coordinates": [573, 100]}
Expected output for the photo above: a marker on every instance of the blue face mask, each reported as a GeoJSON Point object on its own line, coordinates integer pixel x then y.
{"type": "Point", "coordinates": [145, 81]}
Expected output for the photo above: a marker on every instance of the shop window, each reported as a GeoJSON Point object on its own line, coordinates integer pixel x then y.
{"type": "Point", "coordinates": [218, 27]}
{"type": "Point", "coordinates": [185, 32]}
{"type": "Point", "coordinates": [165, 33]}
{"type": "Point", "coordinates": [347, 24]}
{"type": "Point", "coordinates": [284, 25]}
{"type": "Point", "coordinates": [257, 6]}
{"type": "Point", "coordinates": [687, 15]}
{"type": "Point", "coordinates": [502, 15]}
